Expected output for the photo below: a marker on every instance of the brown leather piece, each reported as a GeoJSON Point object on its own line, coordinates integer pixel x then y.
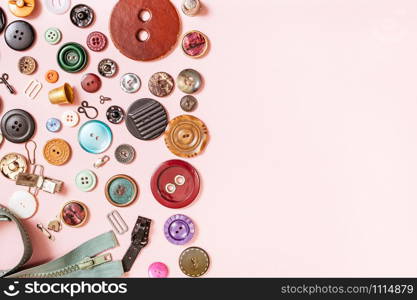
{"type": "Point", "coordinates": [163, 28]}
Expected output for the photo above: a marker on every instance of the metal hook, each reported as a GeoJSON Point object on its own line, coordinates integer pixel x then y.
{"type": "Point", "coordinates": [32, 161]}
{"type": "Point", "coordinates": [3, 80]}
{"type": "Point", "coordinates": [84, 106]}
{"type": "Point", "coordinates": [101, 161]}
{"type": "Point", "coordinates": [45, 232]}
{"type": "Point", "coordinates": [103, 99]}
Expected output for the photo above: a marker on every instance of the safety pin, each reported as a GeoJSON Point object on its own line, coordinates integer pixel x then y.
{"type": "Point", "coordinates": [32, 161]}
{"type": "Point", "coordinates": [33, 88]}
{"type": "Point", "coordinates": [82, 109]}
{"type": "Point", "coordinates": [117, 222]}
{"type": "Point", "coordinates": [101, 161]}
{"type": "Point", "coordinates": [103, 99]}
{"type": "Point", "coordinates": [45, 232]}
{"type": "Point", "coordinates": [3, 80]}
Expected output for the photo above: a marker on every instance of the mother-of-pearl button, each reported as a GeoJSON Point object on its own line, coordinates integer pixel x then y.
{"type": "Point", "coordinates": [23, 204]}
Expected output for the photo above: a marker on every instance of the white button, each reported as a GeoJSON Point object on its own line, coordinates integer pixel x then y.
{"type": "Point", "coordinates": [130, 83]}
{"type": "Point", "coordinates": [23, 204]}
{"type": "Point", "coordinates": [58, 7]}
{"type": "Point", "coordinates": [70, 118]}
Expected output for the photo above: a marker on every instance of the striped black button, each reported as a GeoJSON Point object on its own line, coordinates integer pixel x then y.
{"type": "Point", "coordinates": [146, 119]}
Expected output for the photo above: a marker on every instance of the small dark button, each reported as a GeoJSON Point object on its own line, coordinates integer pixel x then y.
{"type": "Point", "coordinates": [188, 103]}
{"type": "Point", "coordinates": [2, 20]}
{"type": "Point", "coordinates": [115, 114]}
{"type": "Point", "coordinates": [17, 126]}
{"type": "Point", "coordinates": [146, 119]}
{"type": "Point", "coordinates": [19, 35]}
{"type": "Point", "coordinates": [82, 15]}
{"type": "Point", "coordinates": [91, 83]}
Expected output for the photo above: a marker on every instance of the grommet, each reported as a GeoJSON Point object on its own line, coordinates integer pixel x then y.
{"type": "Point", "coordinates": [125, 154]}
{"type": "Point", "coordinates": [90, 83]}
{"type": "Point", "coordinates": [194, 262]}
{"type": "Point", "coordinates": [58, 7]}
{"type": "Point", "coordinates": [158, 270]}
{"type": "Point", "coordinates": [107, 67]}
{"type": "Point", "coordinates": [12, 164]}
{"type": "Point", "coordinates": [96, 41]}
{"type": "Point", "coordinates": [190, 7]}
{"type": "Point", "coordinates": [57, 152]}
{"type": "Point", "coordinates": [82, 15]}
{"type": "Point", "coordinates": [23, 204]}
{"type": "Point", "coordinates": [70, 118]}
{"type": "Point", "coordinates": [121, 190]}
{"type": "Point", "coordinates": [186, 136]}
{"type": "Point", "coordinates": [53, 35]}
{"type": "Point", "coordinates": [95, 136]}
{"type": "Point", "coordinates": [19, 35]}
{"type": "Point", "coordinates": [188, 103]}
{"type": "Point", "coordinates": [27, 65]}
{"type": "Point", "coordinates": [51, 76]}
{"type": "Point", "coordinates": [161, 84]}
{"type": "Point", "coordinates": [146, 119]}
{"type": "Point", "coordinates": [86, 180]}
{"type": "Point", "coordinates": [17, 126]}
{"type": "Point", "coordinates": [130, 83]}
{"type": "Point", "coordinates": [72, 57]}
{"type": "Point", "coordinates": [53, 125]}
{"type": "Point", "coordinates": [195, 44]}
{"type": "Point", "coordinates": [179, 229]}
{"type": "Point", "coordinates": [115, 114]}
{"type": "Point", "coordinates": [21, 8]}
{"type": "Point", "coordinates": [189, 81]}
{"type": "Point", "coordinates": [74, 214]}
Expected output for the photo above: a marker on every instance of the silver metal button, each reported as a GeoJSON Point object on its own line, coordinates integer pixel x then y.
{"type": "Point", "coordinates": [125, 154]}
{"type": "Point", "coordinates": [107, 67]}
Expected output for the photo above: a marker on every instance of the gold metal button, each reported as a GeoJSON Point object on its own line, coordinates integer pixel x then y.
{"type": "Point", "coordinates": [194, 262]}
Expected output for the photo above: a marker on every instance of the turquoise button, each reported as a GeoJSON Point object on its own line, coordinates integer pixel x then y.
{"type": "Point", "coordinates": [121, 190]}
{"type": "Point", "coordinates": [86, 180]}
{"type": "Point", "coordinates": [95, 137]}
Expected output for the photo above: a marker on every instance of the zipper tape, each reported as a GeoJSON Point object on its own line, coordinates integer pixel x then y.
{"type": "Point", "coordinates": [7, 215]}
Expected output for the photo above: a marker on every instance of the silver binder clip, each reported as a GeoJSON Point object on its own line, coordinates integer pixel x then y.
{"type": "Point", "coordinates": [117, 222]}
{"type": "Point", "coordinates": [33, 88]}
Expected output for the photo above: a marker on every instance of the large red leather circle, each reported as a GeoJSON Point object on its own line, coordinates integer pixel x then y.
{"type": "Point", "coordinates": [165, 175]}
{"type": "Point", "coordinates": [163, 28]}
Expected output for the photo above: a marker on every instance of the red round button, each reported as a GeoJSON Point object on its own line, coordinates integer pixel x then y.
{"type": "Point", "coordinates": [175, 184]}
{"type": "Point", "coordinates": [91, 83]}
{"type": "Point", "coordinates": [96, 41]}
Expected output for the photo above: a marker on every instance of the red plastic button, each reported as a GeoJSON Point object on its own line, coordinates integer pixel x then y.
{"type": "Point", "coordinates": [96, 41]}
{"type": "Point", "coordinates": [175, 184]}
{"type": "Point", "coordinates": [91, 83]}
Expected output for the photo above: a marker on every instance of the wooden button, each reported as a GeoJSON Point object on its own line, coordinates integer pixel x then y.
{"type": "Point", "coordinates": [27, 65]}
{"type": "Point", "coordinates": [57, 152]}
{"type": "Point", "coordinates": [51, 76]}
{"type": "Point", "coordinates": [186, 136]}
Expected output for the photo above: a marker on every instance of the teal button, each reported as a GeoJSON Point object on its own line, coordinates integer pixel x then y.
{"type": "Point", "coordinates": [86, 180]}
{"type": "Point", "coordinates": [95, 136]}
{"type": "Point", "coordinates": [53, 35]}
{"type": "Point", "coordinates": [121, 190]}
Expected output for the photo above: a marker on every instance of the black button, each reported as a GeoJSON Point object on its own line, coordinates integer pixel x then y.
{"type": "Point", "coordinates": [82, 15]}
{"type": "Point", "coordinates": [2, 19]}
{"type": "Point", "coordinates": [17, 126]}
{"type": "Point", "coordinates": [19, 35]}
{"type": "Point", "coordinates": [115, 114]}
{"type": "Point", "coordinates": [146, 119]}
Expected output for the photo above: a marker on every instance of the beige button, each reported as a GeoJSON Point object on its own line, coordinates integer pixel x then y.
{"type": "Point", "coordinates": [186, 136]}
{"type": "Point", "coordinates": [70, 118]}
{"type": "Point", "coordinates": [13, 164]}
{"type": "Point", "coordinates": [21, 8]}
{"type": "Point", "coordinates": [57, 152]}
{"type": "Point", "coordinates": [27, 65]}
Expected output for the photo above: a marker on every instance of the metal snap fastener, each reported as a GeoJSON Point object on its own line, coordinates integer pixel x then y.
{"type": "Point", "coordinates": [121, 190]}
{"type": "Point", "coordinates": [96, 41]}
{"type": "Point", "coordinates": [74, 214]}
{"type": "Point", "coordinates": [175, 196]}
{"type": "Point", "coordinates": [107, 68]}
{"type": "Point", "coordinates": [125, 154]}
{"type": "Point", "coordinates": [12, 164]}
{"type": "Point", "coordinates": [194, 262]}
{"type": "Point", "coordinates": [195, 44]}
{"type": "Point", "coordinates": [115, 114]}
{"type": "Point", "coordinates": [188, 103]}
{"type": "Point", "coordinates": [190, 7]}
{"type": "Point", "coordinates": [161, 84]}
{"type": "Point", "coordinates": [91, 83]}
{"type": "Point", "coordinates": [17, 126]}
{"type": "Point", "coordinates": [72, 57]}
{"type": "Point", "coordinates": [130, 83]}
{"type": "Point", "coordinates": [179, 229]}
{"type": "Point", "coordinates": [58, 7]}
{"type": "Point", "coordinates": [23, 204]}
{"type": "Point", "coordinates": [146, 119]}
{"type": "Point", "coordinates": [86, 180]}
{"type": "Point", "coordinates": [53, 124]}
{"type": "Point", "coordinates": [189, 81]}
{"type": "Point", "coordinates": [186, 136]}
{"type": "Point", "coordinates": [53, 35]}
{"type": "Point", "coordinates": [82, 15]}
{"type": "Point", "coordinates": [95, 136]}
{"type": "Point", "coordinates": [19, 35]}
{"type": "Point", "coordinates": [57, 152]}
{"type": "Point", "coordinates": [27, 65]}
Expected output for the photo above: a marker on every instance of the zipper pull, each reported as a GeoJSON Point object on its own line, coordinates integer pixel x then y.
{"type": "Point", "coordinates": [91, 262]}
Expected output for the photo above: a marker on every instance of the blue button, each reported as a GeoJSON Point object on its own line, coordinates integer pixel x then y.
{"type": "Point", "coordinates": [95, 137]}
{"type": "Point", "coordinates": [53, 125]}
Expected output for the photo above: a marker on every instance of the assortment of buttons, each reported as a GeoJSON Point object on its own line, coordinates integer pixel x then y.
{"type": "Point", "coordinates": [175, 183]}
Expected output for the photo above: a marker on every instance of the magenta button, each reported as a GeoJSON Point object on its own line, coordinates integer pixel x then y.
{"type": "Point", "coordinates": [158, 270]}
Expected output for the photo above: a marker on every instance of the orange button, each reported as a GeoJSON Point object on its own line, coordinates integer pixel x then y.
{"type": "Point", "coordinates": [52, 76]}
{"type": "Point", "coordinates": [57, 152]}
{"type": "Point", "coordinates": [21, 8]}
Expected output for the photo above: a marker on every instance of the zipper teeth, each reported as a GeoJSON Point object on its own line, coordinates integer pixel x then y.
{"type": "Point", "coordinates": [59, 273]}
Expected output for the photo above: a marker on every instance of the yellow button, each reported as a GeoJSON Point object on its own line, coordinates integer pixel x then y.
{"type": "Point", "coordinates": [21, 8]}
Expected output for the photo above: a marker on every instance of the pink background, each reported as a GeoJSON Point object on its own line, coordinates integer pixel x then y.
{"type": "Point", "coordinates": [311, 166]}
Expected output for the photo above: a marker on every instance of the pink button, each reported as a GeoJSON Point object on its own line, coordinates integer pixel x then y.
{"type": "Point", "coordinates": [158, 270]}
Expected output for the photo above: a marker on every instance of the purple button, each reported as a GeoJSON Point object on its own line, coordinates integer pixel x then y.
{"type": "Point", "coordinates": [179, 229]}
{"type": "Point", "coordinates": [158, 270]}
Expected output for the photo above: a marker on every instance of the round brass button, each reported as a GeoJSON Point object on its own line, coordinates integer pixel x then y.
{"type": "Point", "coordinates": [57, 152]}
{"type": "Point", "coordinates": [13, 164]}
{"type": "Point", "coordinates": [186, 136]}
{"type": "Point", "coordinates": [194, 262]}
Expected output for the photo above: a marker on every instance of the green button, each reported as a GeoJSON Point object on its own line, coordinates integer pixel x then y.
{"type": "Point", "coordinates": [72, 57]}
{"type": "Point", "coordinates": [86, 180]}
{"type": "Point", "coordinates": [53, 35]}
